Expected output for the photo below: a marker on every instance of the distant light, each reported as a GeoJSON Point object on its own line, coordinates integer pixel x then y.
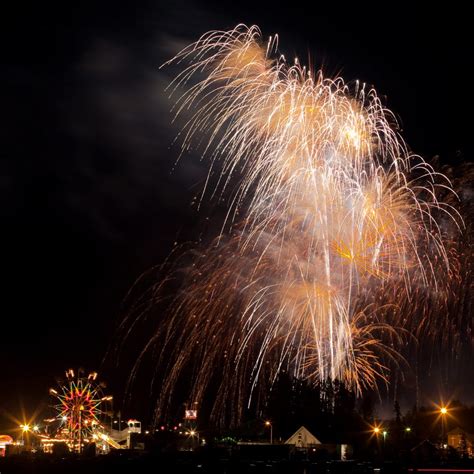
{"type": "Point", "coordinates": [444, 410]}
{"type": "Point", "coordinates": [35, 428]}
{"type": "Point", "coordinates": [25, 428]}
{"type": "Point", "coordinates": [192, 433]}
{"type": "Point", "coordinates": [64, 418]}
{"type": "Point", "coordinates": [92, 375]}
{"type": "Point", "coordinates": [268, 423]}
{"type": "Point", "coordinates": [376, 430]}
{"type": "Point", "coordinates": [407, 429]}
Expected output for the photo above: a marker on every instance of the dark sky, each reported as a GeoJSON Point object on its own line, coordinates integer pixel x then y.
{"type": "Point", "coordinates": [88, 196]}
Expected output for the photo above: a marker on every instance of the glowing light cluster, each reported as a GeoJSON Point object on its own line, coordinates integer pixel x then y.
{"type": "Point", "coordinates": [78, 407]}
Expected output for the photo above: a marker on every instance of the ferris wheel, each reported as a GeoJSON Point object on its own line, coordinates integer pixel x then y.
{"type": "Point", "coordinates": [79, 404]}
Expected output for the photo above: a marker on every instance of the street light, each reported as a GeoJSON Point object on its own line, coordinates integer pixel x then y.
{"type": "Point", "coordinates": [443, 411]}
{"type": "Point", "coordinates": [269, 423]}
{"type": "Point", "coordinates": [24, 429]}
{"type": "Point", "coordinates": [194, 433]}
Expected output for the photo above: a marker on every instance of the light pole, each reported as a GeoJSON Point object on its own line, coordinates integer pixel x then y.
{"type": "Point", "coordinates": [378, 432]}
{"type": "Point", "coordinates": [194, 433]}
{"type": "Point", "coordinates": [443, 411]}
{"type": "Point", "coordinates": [24, 429]}
{"type": "Point", "coordinates": [269, 423]}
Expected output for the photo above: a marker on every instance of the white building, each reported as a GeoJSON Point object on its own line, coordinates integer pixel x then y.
{"type": "Point", "coordinates": [303, 438]}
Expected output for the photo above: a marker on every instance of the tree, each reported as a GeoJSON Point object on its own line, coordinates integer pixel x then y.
{"type": "Point", "coordinates": [398, 414]}
{"type": "Point", "coordinates": [463, 446]}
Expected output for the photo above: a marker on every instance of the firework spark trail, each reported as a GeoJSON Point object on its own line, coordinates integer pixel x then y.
{"type": "Point", "coordinates": [334, 208]}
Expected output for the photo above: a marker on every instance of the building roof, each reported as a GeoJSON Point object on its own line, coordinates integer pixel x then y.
{"type": "Point", "coordinates": [302, 438]}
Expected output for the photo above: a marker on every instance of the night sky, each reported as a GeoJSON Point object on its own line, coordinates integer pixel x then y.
{"type": "Point", "coordinates": [90, 197]}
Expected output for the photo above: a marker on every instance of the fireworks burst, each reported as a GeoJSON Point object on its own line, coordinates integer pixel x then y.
{"type": "Point", "coordinates": [331, 222]}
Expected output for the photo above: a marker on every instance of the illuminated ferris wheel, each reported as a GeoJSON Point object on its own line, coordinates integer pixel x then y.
{"type": "Point", "coordinates": [79, 405]}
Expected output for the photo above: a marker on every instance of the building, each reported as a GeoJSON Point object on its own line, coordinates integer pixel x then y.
{"type": "Point", "coordinates": [305, 442]}
{"type": "Point", "coordinates": [303, 438]}
{"type": "Point", "coordinates": [461, 441]}
{"type": "Point", "coordinates": [5, 440]}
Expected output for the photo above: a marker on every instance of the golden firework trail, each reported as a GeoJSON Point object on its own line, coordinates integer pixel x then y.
{"type": "Point", "coordinates": [330, 216]}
